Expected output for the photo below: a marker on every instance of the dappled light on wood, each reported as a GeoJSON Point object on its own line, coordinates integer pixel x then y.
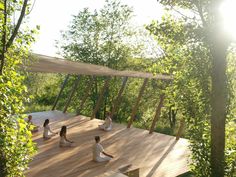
{"type": "Point", "coordinates": [154, 155]}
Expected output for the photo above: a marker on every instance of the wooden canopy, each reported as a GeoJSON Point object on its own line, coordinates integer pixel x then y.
{"type": "Point", "coordinates": [49, 64]}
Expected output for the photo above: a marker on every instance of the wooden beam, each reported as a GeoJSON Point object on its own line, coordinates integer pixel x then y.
{"type": "Point", "coordinates": [72, 93]}
{"type": "Point", "coordinates": [116, 102]}
{"type": "Point", "coordinates": [62, 88]}
{"type": "Point", "coordinates": [181, 127]}
{"type": "Point", "coordinates": [99, 101]}
{"type": "Point", "coordinates": [157, 114]}
{"type": "Point", "coordinates": [85, 96]}
{"type": "Point", "coordinates": [135, 108]}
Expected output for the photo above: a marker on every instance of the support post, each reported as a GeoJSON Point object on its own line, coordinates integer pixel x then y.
{"type": "Point", "coordinates": [71, 93]}
{"type": "Point", "coordinates": [135, 108]}
{"type": "Point", "coordinates": [99, 101]}
{"type": "Point", "coordinates": [180, 129]}
{"type": "Point", "coordinates": [59, 94]}
{"type": "Point", "coordinates": [117, 100]}
{"type": "Point", "coordinates": [84, 98]}
{"type": "Point", "coordinates": [157, 114]}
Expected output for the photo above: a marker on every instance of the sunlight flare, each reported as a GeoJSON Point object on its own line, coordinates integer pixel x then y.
{"type": "Point", "coordinates": [228, 12]}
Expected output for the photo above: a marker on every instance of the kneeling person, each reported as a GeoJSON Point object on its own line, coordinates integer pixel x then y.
{"type": "Point", "coordinates": [98, 152]}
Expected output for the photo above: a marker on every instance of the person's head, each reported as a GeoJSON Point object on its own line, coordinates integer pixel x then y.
{"type": "Point", "coordinates": [97, 139]}
{"type": "Point", "coordinates": [46, 122]}
{"type": "Point", "coordinates": [108, 114]}
{"type": "Point", "coordinates": [29, 117]}
{"type": "Point", "coordinates": [63, 130]}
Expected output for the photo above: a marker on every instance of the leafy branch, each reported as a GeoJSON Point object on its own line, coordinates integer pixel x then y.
{"type": "Point", "coordinates": [5, 44]}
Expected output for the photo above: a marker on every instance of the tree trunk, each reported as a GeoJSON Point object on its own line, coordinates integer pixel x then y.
{"type": "Point", "coordinates": [6, 44]}
{"type": "Point", "coordinates": [218, 49]}
{"type": "Point", "coordinates": [218, 114]}
{"type": "Point", "coordinates": [4, 35]}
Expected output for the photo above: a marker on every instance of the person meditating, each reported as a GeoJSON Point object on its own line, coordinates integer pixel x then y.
{"type": "Point", "coordinates": [47, 132]}
{"type": "Point", "coordinates": [98, 152]}
{"type": "Point", "coordinates": [107, 125]}
{"type": "Point", "coordinates": [64, 142]}
{"type": "Point", "coordinates": [29, 121]}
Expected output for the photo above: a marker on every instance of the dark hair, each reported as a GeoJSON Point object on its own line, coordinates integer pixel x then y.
{"type": "Point", "coordinates": [29, 119]}
{"type": "Point", "coordinates": [97, 138]}
{"type": "Point", "coordinates": [63, 130]}
{"type": "Point", "coordinates": [46, 122]}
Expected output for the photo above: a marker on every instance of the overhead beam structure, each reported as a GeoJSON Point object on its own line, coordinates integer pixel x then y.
{"type": "Point", "coordinates": [72, 93]}
{"type": "Point", "coordinates": [135, 108]}
{"type": "Point", "coordinates": [61, 90]}
{"type": "Point", "coordinates": [180, 130]}
{"type": "Point", "coordinates": [47, 64]}
{"type": "Point", "coordinates": [99, 101]}
{"type": "Point", "coordinates": [117, 100]}
{"type": "Point", "coordinates": [85, 96]}
{"type": "Point", "coordinates": [157, 114]}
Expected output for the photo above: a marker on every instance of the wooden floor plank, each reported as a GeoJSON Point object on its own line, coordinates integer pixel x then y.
{"type": "Point", "coordinates": [156, 155]}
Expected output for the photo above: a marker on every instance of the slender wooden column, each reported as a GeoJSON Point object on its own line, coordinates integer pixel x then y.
{"type": "Point", "coordinates": [59, 94]}
{"type": "Point", "coordinates": [72, 93]}
{"type": "Point", "coordinates": [157, 114]}
{"type": "Point", "coordinates": [99, 101]}
{"type": "Point", "coordinates": [85, 96]}
{"type": "Point", "coordinates": [116, 102]}
{"type": "Point", "coordinates": [135, 108]}
{"type": "Point", "coordinates": [180, 129]}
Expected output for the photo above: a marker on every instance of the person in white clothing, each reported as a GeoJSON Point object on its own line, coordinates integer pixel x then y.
{"type": "Point", "coordinates": [64, 142]}
{"type": "Point", "coordinates": [29, 121]}
{"type": "Point", "coordinates": [107, 125]}
{"type": "Point", "coordinates": [98, 152]}
{"type": "Point", "coordinates": [47, 132]}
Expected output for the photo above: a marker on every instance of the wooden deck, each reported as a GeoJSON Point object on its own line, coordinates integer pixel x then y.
{"type": "Point", "coordinates": [156, 155]}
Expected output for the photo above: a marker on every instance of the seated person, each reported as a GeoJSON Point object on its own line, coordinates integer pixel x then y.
{"type": "Point", "coordinates": [47, 132]}
{"type": "Point", "coordinates": [98, 152]}
{"type": "Point", "coordinates": [107, 125]}
{"type": "Point", "coordinates": [29, 121]}
{"type": "Point", "coordinates": [64, 142]}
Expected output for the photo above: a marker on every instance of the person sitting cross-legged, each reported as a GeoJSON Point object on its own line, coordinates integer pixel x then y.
{"type": "Point", "coordinates": [107, 125]}
{"type": "Point", "coordinates": [47, 132]}
{"type": "Point", "coordinates": [29, 121]}
{"type": "Point", "coordinates": [64, 142]}
{"type": "Point", "coordinates": [98, 152]}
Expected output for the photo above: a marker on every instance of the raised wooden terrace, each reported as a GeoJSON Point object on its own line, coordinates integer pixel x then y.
{"type": "Point", "coordinates": [135, 149]}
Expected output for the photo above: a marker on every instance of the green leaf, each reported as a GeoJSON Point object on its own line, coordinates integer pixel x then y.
{"type": "Point", "coordinates": [1, 6]}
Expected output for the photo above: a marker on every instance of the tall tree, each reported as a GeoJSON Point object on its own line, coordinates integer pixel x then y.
{"type": "Point", "coordinates": [196, 46]}
{"type": "Point", "coordinates": [219, 43]}
{"type": "Point", "coordinates": [16, 146]}
{"type": "Point", "coordinates": [99, 37]}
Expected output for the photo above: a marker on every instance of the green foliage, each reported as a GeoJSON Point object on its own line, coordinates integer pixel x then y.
{"type": "Point", "coordinates": [16, 146]}
{"type": "Point", "coordinates": [99, 37]}
{"type": "Point", "coordinates": [104, 37]}
{"type": "Point", "coordinates": [43, 89]}
{"type": "Point", "coordinates": [187, 57]}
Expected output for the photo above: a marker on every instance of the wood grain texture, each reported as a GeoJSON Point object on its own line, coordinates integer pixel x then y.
{"type": "Point", "coordinates": [47, 64]}
{"type": "Point", "coordinates": [154, 155]}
